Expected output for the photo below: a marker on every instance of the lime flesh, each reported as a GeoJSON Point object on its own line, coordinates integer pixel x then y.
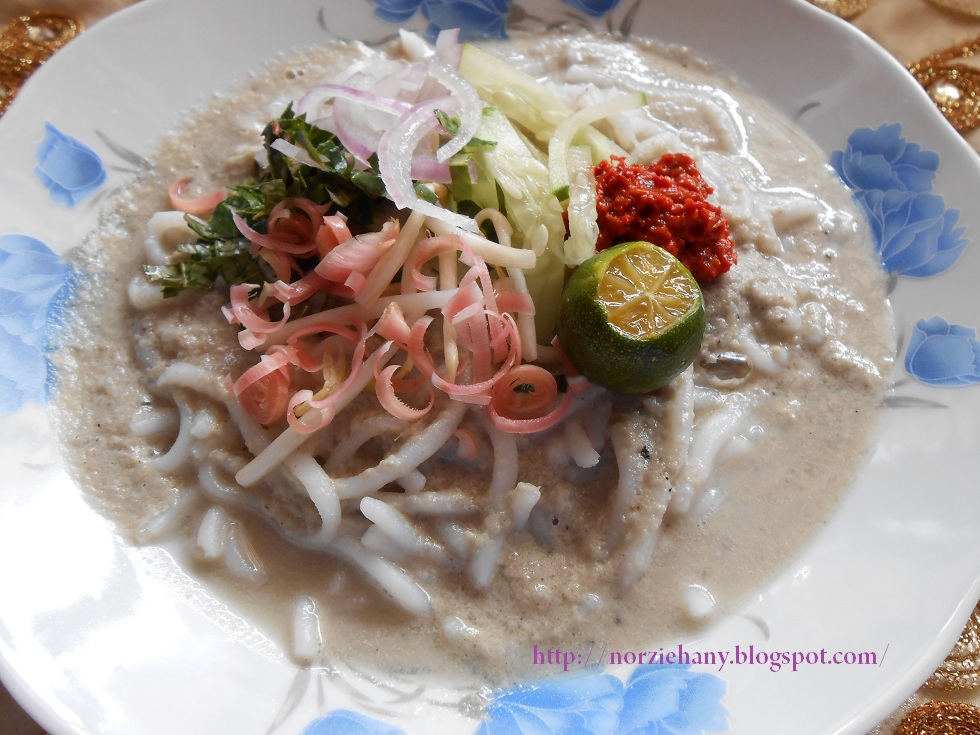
{"type": "Point", "coordinates": [631, 318]}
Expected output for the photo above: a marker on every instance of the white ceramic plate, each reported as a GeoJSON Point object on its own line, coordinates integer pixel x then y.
{"type": "Point", "coordinates": [100, 637]}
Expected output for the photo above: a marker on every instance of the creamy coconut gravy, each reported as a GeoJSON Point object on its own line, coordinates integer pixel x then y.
{"type": "Point", "coordinates": [761, 438]}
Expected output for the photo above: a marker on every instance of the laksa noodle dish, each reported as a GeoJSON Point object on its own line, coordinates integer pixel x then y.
{"type": "Point", "coordinates": [424, 355]}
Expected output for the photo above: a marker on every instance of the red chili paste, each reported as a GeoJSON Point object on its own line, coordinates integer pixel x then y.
{"type": "Point", "coordinates": [664, 203]}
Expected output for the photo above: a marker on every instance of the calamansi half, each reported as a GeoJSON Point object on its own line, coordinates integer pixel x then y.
{"type": "Point", "coordinates": [631, 318]}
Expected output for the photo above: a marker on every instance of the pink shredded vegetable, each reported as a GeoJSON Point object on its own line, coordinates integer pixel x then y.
{"type": "Point", "coordinates": [467, 348]}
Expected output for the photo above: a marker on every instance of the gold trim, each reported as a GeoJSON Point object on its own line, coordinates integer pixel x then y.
{"type": "Point", "coordinates": [955, 88]}
{"type": "Point", "coordinates": [961, 669]}
{"type": "Point", "coordinates": [26, 43]}
{"type": "Point", "coordinates": [846, 9]}
{"type": "Point", "coordinates": [967, 7]}
{"type": "Point", "coordinates": [941, 718]}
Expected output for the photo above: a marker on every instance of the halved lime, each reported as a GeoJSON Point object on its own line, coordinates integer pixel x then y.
{"type": "Point", "coordinates": [631, 318]}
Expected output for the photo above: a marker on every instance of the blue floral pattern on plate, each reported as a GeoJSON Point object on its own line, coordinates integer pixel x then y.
{"type": "Point", "coordinates": [916, 235]}
{"type": "Point", "coordinates": [655, 699]}
{"type": "Point", "coordinates": [474, 18]}
{"type": "Point", "coordinates": [943, 354]}
{"type": "Point", "coordinates": [592, 8]}
{"type": "Point", "coordinates": [585, 703]}
{"type": "Point", "coordinates": [67, 168]}
{"type": "Point", "coordinates": [33, 285]}
{"type": "Point", "coordinates": [672, 699]}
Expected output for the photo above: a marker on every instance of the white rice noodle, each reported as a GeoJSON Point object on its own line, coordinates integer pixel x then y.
{"type": "Point", "coordinates": [638, 550]}
{"type": "Point", "coordinates": [505, 465]}
{"type": "Point", "coordinates": [157, 421]}
{"type": "Point", "coordinates": [501, 224]}
{"type": "Point", "coordinates": [676, 412]}
{"type": "Point", "coordinates": [322, 491]}
{"type": "Point", "coordinates": [240, 557]}
{"type": "Point", "coordinates": [648, 135]}
{"type": "Point", "coordinates": [413, 482]}
{"type": "Point", "coordinates": [711, 435]}
{"type": "Point", "coordinates": [402, 533]}
{"type": "Point", "coordinates": [630, 479]}
{"type": "Point", "coordinates": [392, 261]}
{"type": "Point", "coordinates": [363, 431]}
{"type": "Point", "coordinates": [144, 295]}
{"type": "Point", "coordinates": [841, 359]}
{"type": "Point", "coordinates": [793, 208]}
{"type": "Point", "coordinates": [162, 523]}
{"type": "Point", "coordinates": [211, 533]}
{"type": "Point", "coordinates": [523, 498]}
{"type": "Point", "coordinates": [276, 452]}
{"type": "Point", "coordinates": [193, 377]}
{"type": "Point", "coordinates": [253, 433]}
{"type": "Point", "coordinates": [307, 636]}
{"type": "Point", "coordinates": [428, 504]}
{"type": "Point", "coordinates": [412, 453]}
{"type": "Point", "coordinates": [556, 449]}
{"type": "Point", "coordinates": [164, 232]}
{"type": "Point", "coordinates": [456, 629]}
{"type": "Point", "coordinates": [525, 322]}
{"type": "Point", "coordinates": [483, 563]}
{"type": "Point", "coordinates": [204, 424]}
{"type": "Point", "coordinates": [301, 470]}
{"type": "Point", "coordinates": [493, 253]}
{"type": "Point", "coordinates": [597, 427]}
{"type": "Point", "coordinates": [579, 446]}
{"type": "Point", "coordinates": [220, 492]}
{"type": "Point", "coordinates": [391, 579]}
{"type": "Point", "coordinates": [641, 500]}
{"type": "Point", "coordinates": [180, 451]}
{"type": "Point", "coordinates": [456, 537]}
{"type": "Point", "coordinates": [707, 500]}
{"type": "Point", "coordinates": [376, 540]}
{"type": "Point", "coordinates": [760, 357]}
{"type": "Point", "coordinates": [728, 133]}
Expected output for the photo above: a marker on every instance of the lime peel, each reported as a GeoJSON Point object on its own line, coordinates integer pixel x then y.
{"type": "Point", "coordinates": [631, 318]}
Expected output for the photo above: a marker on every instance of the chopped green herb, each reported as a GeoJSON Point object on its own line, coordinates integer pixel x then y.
{"type": "Point", "coordinates": [331, 176]}
{"type": "Point", "coordinates": [203, 264]}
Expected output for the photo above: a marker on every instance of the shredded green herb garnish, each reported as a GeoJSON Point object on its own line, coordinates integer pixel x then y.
{"type": "Point", "coordinates": [221, 252]}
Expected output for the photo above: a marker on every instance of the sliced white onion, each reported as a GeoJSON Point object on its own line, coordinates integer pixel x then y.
{"type": "Point", "coordinates": [448, 49]}
{"type": "Point", "coordinates": [469, 108]}
{"type": "Point", "coordinates": [396, 152]}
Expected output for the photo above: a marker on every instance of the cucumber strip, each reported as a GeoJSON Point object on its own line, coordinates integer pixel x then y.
{"type": "Point", "coordinates": [534, 214]}
{"type": "Point", "coordinates": [583, 226]}
{"type": "Point", "coordinates": [526, 101]}
{"type": "Point", "coordinates": [565, 132]}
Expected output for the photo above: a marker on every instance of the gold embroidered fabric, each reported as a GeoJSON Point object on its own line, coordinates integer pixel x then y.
{"type": "Point", "coordinates": [26, 43]}
{"type": "Point", "coordinates": [961, 670]}
{"type": "Point", "coordinates": [941, 718]}
{"type": "Point", "coordinates": [948, 703]}
{"type": "Point", "coordinates": [970, 7]}
{"type": "Point", "coordinates": [844, 8]}
{"type": "Point", "coordinates": [953, 85]}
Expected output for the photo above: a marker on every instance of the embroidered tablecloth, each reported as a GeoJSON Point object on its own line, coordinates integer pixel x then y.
{"type": "Point", "coordinates": [941, 46]}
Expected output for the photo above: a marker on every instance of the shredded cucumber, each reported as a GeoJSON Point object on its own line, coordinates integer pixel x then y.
{"type": "Point", "coordinates": [566, 130]}
{"type": "Point", "coordinates": [583, 228]}
{"type": "Point", "coordinates": [528, 102]}
{"type": "Point", "coordinates": [543, 155]}
{"type": "Point", "coordinates": [534, 214]}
